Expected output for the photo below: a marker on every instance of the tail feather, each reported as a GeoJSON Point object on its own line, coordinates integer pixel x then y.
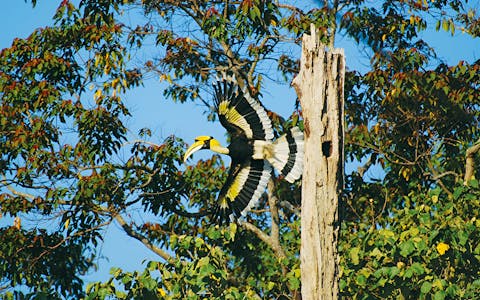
{"type": "Point", "coordinates": [287, 154]}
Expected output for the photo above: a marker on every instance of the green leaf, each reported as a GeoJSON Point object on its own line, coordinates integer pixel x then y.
{"type": "Point", "coordinates": [354, 255]}
{"type": "Point", "coordinates": [457, 192]}
{"type": "Point", "coordinates": [294, 283]}
{"type": "Point", "coordinates": [426, 287]}
{"type": "Point", "coordinates": [408, 273]}
{"type": "Point", "coordinates": [439, 295]}
{"type": "Point", "coordinates": [343, 284]}
{"type": "Point", "coordinates": [214, 233]}
{"type": "Point", "coordinates": [270, 285]}
{"type": "Point", "coordinates": [382, 282]}
{"type": "Point", "coordinates": [361, 280]}
{"type": "Point", "coordinates": [376, 253]}
{"type": "Point", "coordinates": [452, 290]}
{"type": "Point", "coordinates": [393, 271]}
{"type": "Point", "coordinates": [417, 268]}
{"type": "Point", "coordinates": [148, 282]}
{"type": "Point", "coordinates": [406, 248]}
{"type": "Point", "coordinates": [473, 183]}
{"type": "Point", "coordinates": [445, 25]}
{"type": "Point", "coordinates": [462, 236]}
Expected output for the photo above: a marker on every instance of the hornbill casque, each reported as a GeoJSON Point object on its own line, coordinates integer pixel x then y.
{"type": "Point", "coordinates": [252, 150]}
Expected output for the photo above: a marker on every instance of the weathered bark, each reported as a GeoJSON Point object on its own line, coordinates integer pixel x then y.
{"type": "Point", "coordinates": [470, 162]}
{"type": "Point", "coordinates": [319, 86]}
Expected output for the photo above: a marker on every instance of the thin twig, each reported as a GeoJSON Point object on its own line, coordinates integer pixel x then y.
{"type": "Point", "coordinates": [132, 233]}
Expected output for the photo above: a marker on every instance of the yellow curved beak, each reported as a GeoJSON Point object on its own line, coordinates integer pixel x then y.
{"type": "Point", "coordinates": [192, 149]}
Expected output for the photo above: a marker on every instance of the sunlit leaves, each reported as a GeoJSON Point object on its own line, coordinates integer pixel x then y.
{"type": "Point", "coordinates": [412, 233]}
{"type": "Point", "coordinates": [299, 22]}
{"type": "Point", "coordinates": [404, 120]}
{"type": "Point", "coordinates": [52, 141]}
{"type": "Point", "coordinates": [427, 245]}
{"type": "Point", "coordinates": [205, 274]}
{"type": "Point", "coordinates": [420, 108]}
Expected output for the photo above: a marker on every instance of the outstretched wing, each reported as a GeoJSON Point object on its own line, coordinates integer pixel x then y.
{"type": "Point", "coordinates": [239, 113]}
{"type": "Point", "coordinates": [244, 187]}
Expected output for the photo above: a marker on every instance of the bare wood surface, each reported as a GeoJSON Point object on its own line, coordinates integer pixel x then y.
{"type": "Point", "coordinates": [319, 86]}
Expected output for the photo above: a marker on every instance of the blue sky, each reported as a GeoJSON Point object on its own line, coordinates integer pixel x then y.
{"type": "Point", "coordinates": [149, 109]}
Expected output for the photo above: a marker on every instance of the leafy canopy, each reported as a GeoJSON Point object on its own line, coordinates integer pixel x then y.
{"type": "Point", "coordinates": [69, 166]}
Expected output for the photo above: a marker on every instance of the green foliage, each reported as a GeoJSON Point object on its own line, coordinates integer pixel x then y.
{"type": "Point", "coordinates": [31, 258]}
{"type": "Point", "coordinates": [68, 168]}
{"type": "Point", "coordinates": [47, 173]}
{"type": "Point", "coordinates": [412, 235]}
{"type": "Point", "coordinates": [207, 273]}
{"type": "Point", "coordinates": [428, 249]}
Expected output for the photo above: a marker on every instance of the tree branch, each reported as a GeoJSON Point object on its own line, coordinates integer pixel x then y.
{"type": "Point", "coordinates": [14, 191]}
{"type": "Point", "coordinates": [333, 25]}
{"type": "Point", "coordinates": [259, 233]}
{"type": "Point", "coordinates": [275, 227]}
{"type": "Point", "coordinates": [273, 204]}
{"type": "Point", "coordinates": [287, 205]}
{"type": "Point", "coordinates": [132, 233]}
{"type": "Point", "coordinates": [470, 161]}
{"type": "Point", "coordinates": [362, 169]}
{"type": "Point", "coordinates": [438, 179]}
{"type": "Point", "coordinates": [265, 238]}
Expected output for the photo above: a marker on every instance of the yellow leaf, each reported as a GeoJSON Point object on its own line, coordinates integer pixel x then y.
{"type": "Point", "coordinates": [233, 230]}
{"type": "Point", "coordinates": [297, 272]}
{"type": "Point", "coordinates": [67, 222]}
{"type": "Point", "coordinates": [376, 128]}
{"type": "Point", "coordinates": [17, 223]}
{"type": "Point", "coordinates": [212, 276]}
{"type": "Point", "coordinates": [437, 283]}
{"type": "Point", "coordinates": [400, 264]}
{"type": "Point", "coordinates": [410, 142]}
{"type": "Point", "coordinates": [386, 233]}
{"type": "Point", "coordinates": [97, 94]}
{"type": "Point", "coordinates": [115, 82]}
{"type": "Point", "coordinates": [442, 248]}
{"type": "Point", "coordinates": [435, 199]}
{"type": "Point", "coordinates": [406, 173]}
{"type": "Point", "coordinates": [97, 60]}
{"type": "Point", "coordinates": [161, 292]}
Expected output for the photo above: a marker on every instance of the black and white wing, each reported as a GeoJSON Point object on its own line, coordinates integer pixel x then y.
{"type": "Point", "coordinates": [239, 113]}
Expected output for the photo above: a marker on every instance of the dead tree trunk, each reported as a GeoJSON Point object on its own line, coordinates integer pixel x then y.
{"type": "Point", "coordinates": [319, 86]}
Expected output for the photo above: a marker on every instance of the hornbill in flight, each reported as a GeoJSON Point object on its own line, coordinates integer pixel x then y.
{"type": "Point", "coordinates": [252, 150]}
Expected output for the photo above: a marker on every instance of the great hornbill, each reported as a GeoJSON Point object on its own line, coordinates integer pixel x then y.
{"type": "Point", "coordinates": [252, 150]}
